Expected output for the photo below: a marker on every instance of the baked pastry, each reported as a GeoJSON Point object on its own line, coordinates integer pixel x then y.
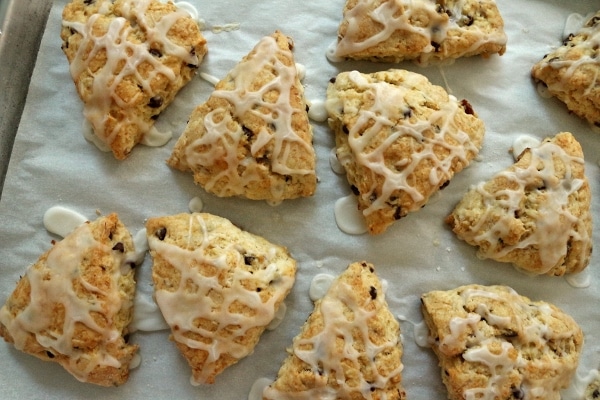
{"type": "Point", "coordinates": [535, 214]}
{"type": "Point", "coordinates": [128, 60]}
{"type": "Point", "coordinates": [74, 305]}
{"type": "Point", "coordinates": [252, 137]}
{"type": "Point", "coordinates": [419, 30]}
{"type": "Point", "coordinates": [349, 348]}
{"type": "Point", "coordinates": [571, 71]}
{"type": "Point", "coordinates": [217, 286]}
{"type": "Point", "coordinates": [493, 343]}
{"type": "Point", "coordinates": [400, 139]}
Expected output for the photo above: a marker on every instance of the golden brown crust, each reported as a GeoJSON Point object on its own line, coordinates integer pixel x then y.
{"type": "Point", "coordinates": [104, 286]}
{"type": "Point", "coordinates": [358, 342]}
{"type": "Point", "coordinates": [536, 217]}
{"type": "Point", "coordinates": [262, 152]}
{"type": "Point", "coordinates": [126, 85]}
{"type": "Point", "coordinates": [400, 139]}
{"type": "Point", "coordinates": [217, 286]}
{"type": "Point", "coordinates": [571, 72]}
{"type": "Point", "coordinates": [492, 341]}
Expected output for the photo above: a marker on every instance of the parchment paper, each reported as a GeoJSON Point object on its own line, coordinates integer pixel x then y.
{"type": "Point", "coordinates": [52, 165]}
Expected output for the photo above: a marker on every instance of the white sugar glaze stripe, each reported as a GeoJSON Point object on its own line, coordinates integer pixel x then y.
{"type": "Point", "coordinates": [182, 308]}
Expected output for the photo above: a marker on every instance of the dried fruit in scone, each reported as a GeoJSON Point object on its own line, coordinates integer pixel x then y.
{"type": "Point", "coordinates": [128, 60]}
{"type": "Point", "coordinates": [349, 348]}
{"type": "Point", "coordinates": [252, 137]}
{"type": "Point", "coordinates": [218, 287]}
{"type": "Point", "coordinates": [535, 214]}
{"type": "Point", "coordinates": [400, 139]}
{"type": "Point", "coordinates": [74, 305]}
{"type": "Point", "coordinates": [493, 343]}
{"type": "Point", "coordinates": [571, 72]}
{"type": "Point", "coordinates": [420, 30]}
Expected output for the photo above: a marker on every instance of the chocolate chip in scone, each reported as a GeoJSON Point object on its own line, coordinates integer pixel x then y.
{"type": "Point", "coordinates": [161, 233]}
{"type": "Point", "coordinates": [467, 107]}
{"type": "Point", "coordinates": [155, 102]}
{"type": "Point", "coordinates": [373, 292]}
{"type": "Point", "coordinates": [119, 247]}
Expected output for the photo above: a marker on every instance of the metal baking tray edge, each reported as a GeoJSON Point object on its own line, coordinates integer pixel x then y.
{"type": "Point", "coordinates": [22, 25]}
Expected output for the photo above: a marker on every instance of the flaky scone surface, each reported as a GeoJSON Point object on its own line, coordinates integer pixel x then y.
{"type": "Point", "coordinates": [252, 138]}
{"type": "Point", "coordinates": [420, 30]}
{"type": "Point", "coordinates": [571, 72]}
{"type": "Point", "coordinates": [217, 286]}
{"type": "Point", "coordinates": [535, 214]}
{"type": "Point", "coordinates": [349, 348]}
{"type": "Point", "coordinates": [74, 305]}
{"type": "Point", "coordinates": [128, 60]}
{"type": "Point", "coordinates": [400, 139]}
{"type": "Point", "coordinates": [493, 343]}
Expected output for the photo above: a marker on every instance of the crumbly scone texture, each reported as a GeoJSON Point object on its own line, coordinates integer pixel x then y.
{"type": "Point", "coordinates": [74, 305]}
{"type": "Point", "coordinates": [400, 139]}
{"type": "Point", "coordinates": [493, 343]}
{"type": "Point", "coordinates": [349, 347]}
{"type": "Point", "coordinates": [423, 31]}
{"type": "Point", "coordinates": [217, 286]}
{"type": "Point", "coordinates": [252, 137]}
{"type": "Point", "coordinates": [592, 391]}
{"type": "Point", "coordinates": [571, 72]}
{"type": "Point", "coordinates": [535, 214]}
{"type": "Point", "coordinates": [128, 60]}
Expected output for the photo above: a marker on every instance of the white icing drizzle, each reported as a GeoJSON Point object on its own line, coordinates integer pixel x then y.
{"type": "Point", "coordinates": [196, 205]}
{"type": "Point", "coordinates": [62, 220]}
{"type": "Point", "coordinates": [523, 142]}
{"type": "Point", "coordinates": [278, 318]}
{"type": "Point", "coordinates": [209, 78]}
{"type": "Point", "coordinates": [182, 308]}
{"type": "Point", "coordinates": [580, 280]}
{"type": "Point", "coordinates": [54, 283]}
{"type": "Point", "coordinates": [348, 217]}
{"type": "Point", "coordinates": [502, 356]}
{"type": "Point", "coordinates": [554, 222]}
{"type": "Point", "coordinates": [400, 15]}
{"type": "Point", "coordinates": [387, 104]}
{"type": "Point", "coordinates": [155, 138]}
{"type": "Point", "coordinates": [258, 387]}
{"type": "Point", "coordinates": [146, 315]}
{"type": "Point", "coordinates": [319, 285]}
{"type": "Point", "coordinates": [318, 351]}
{"type": "Point", "coordinates": [335, 164]}
{"type": "Point", "coordinates": [222, 139]}
{"type": "Point", "coordinates": [317, 111]}
{"type": "Point", "coordinates": [123, 56]}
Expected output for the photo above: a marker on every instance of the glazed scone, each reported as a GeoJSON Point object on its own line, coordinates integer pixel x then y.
{"type": "Point", "coordinates": [419, 30]}
{"type": "Point", "coordinates": [128, 60]}
{"type": "Point", "coordinates": [74, 305]}
{"type": "Point", "coordinates": [400, 139]}
{"type": "Point", "coordinates": [218, 287]}
{"type": "Point", "coordinates": [535, 214]}
{"type": "Point", "coordinates": [493, 343]}
{"type": "Point", "coordinates": [252, 138]}
{"type": "Point", "coordinates": [571, 72]}
{"type": "Point", "coordinates": [349, 348]}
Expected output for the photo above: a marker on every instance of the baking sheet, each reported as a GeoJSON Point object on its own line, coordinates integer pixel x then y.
{"type": "Point", "coordinates": [52, 165]}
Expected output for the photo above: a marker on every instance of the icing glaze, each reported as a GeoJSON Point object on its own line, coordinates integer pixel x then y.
{"type": "Point", "coordinates": [182, 307]}
{"type": "Point", "coordinates": [347, 216]}
{"type": "Point", "coordinates": [55, 283]}
{"type": "Point", "coordinates": [62, 220]}
{"type": "Point", "coordinates": [223, 134]}
{"type": "Point", "coordinates": [124, 56]}
{"type": "Point", "coordinates": [418, 17]}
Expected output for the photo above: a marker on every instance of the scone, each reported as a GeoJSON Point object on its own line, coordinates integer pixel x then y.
{"type": "Point", "coordinates": [400, 139]}
{"type": "Point", "coordinates": [252, 137]}
{"type": "Point", "coordinates": [535, 214]}
{"type": "Point", "coordinates": [420, 30]}
{"type": "Point", "coordinates": [74, 305]}
{"type": "Point", "coordinates": [218, 287]}
{"type": "Point", "coordinates": [493, 343]}
{"type": "Point", "coordinates": [349, 348]}
{"type": "Point", "coordinates": [571, 72]}
{"type": "Point", "coordinates": [128, 60]}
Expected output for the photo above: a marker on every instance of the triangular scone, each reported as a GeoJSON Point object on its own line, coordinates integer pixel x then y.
{"type": "Point", "coordinates": [535, 214]}
{"type": "Point", "coordinates": [400, 139]}
{"type": "Point", "coordinates": [252, 138]}
{"type": "Point", "coordinates": [74, 305]}
{"type": "Point", "coordinates": [571, 72]}
{"type": "Point", "coordinates": [349, 348]}
{"type": "Point", "coordinates": [128, 59]}
{"type": "Point", "coordinates": [420, 30]}
{"type": "Point", "coordinates": [217, 286]}
{"type": "Point", "coordinates": [493, 343]}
